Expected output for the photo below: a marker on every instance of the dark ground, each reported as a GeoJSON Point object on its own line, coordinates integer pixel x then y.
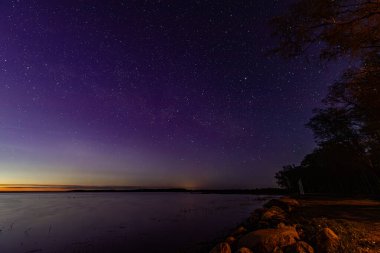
{"type": "Point", "coordinates": [355, 221]}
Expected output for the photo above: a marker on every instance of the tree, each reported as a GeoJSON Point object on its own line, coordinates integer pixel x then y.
{"type": "Point", "coordinates": [357, 95]}
{"type": "Point", "coordinates": [287, 177]}
{"type": "Point", "coordinates": [330, 168]}
{"type": "Point", "coordinates": [337, 168]}
{"type": "Point", "coordinates": [337, 27]}
{"type": "Point", "coordinates": [347, 128]}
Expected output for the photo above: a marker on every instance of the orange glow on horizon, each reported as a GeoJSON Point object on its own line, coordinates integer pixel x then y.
{"type": "Point", "coordinates": [31, 189]}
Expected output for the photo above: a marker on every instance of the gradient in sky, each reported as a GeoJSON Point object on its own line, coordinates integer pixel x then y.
{"type": "Point", "coordinates": [151, 93]}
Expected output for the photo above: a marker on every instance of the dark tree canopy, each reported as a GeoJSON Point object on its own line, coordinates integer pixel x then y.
{"type": "Point", "coordinates": [347, 128]}
{"type": "Point", "coordinates": [337, 27]}
{"type": "Point", "coordinates": [334, 124]}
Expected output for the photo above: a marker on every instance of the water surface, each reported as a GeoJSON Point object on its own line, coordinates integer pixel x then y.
{"type": "Point", "coordinates": [117, 222]}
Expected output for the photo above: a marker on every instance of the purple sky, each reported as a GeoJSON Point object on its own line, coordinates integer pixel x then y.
{"type": "Point", "coordinates": [151, 93]}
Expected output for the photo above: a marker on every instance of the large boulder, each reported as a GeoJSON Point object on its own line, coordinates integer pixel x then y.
{"type": "Point", "coordinates": [244, 250]}
{"type": "Point", "coordinates": [273, 216]}
{"type": "Point", "coordinates": [230, 240]}
{"type": "Point", "coordinates": [221, 248]}
{"type": "Point", "coordinates": [239, 231]}
{"type": "Point", "coordinates": [266, 240]}
{"type": "Point", "coordinates": [277, 250]}
{"type": "Point", "coordinates": [285, 203]}
{"type": "Point", "coordinates": [327, 241]}
{"type": "Point", "coordinates": [299, 247]}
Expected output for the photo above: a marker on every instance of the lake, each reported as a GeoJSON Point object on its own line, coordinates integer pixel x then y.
{"type": "Point", "coordinates": [118, 222]}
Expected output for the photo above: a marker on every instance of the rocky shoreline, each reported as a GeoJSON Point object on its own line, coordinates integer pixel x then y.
{"type": "Point", "coordinates": [276, 228]}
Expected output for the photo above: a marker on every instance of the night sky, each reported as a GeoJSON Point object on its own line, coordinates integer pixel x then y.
{"type": "Point", "coordinates": [151, 93]}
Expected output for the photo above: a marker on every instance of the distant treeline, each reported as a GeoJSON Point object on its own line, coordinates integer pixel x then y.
{"type": "Point", "coordinates": [261, 191]}
{"type": "Point", "coordinates": [347, 127]}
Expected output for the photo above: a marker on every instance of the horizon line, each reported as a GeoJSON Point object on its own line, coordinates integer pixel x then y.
{"type": "Point", "coordinates": [73, 188]}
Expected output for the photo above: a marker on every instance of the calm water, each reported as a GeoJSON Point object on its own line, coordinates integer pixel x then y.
{"type": "Point", "coordinates": [117, 222]}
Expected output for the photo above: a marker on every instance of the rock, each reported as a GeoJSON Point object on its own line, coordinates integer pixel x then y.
{"type": "Point", "coordinates": [239, 231]}
{"type": "Point", "coordinates": [300, 247]}
{"type": "Point", "coordinates": [221, 248]}
{"type": "Point", "coordinates": [277, 250]}
{"type": "Point", "coordinates": [266, 240]}
{"type": "Point", "coordinates": [287, 204]}
{"type": "Point", "coordinates": [244, 250]}
{"type": "Point", "coordinates": [230, 240]}
{"type": "Point", "coordinates": [290, 201]}
{"type": "Point", "coordinates": [274, 215]}
{"type": "Point", "coordinates": [300, 230]}
{"type": "Point", "coordinates": [327, 241]}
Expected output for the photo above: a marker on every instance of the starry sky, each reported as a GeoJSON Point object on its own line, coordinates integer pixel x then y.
{"type": "Point", "coordinates": [151, 93]}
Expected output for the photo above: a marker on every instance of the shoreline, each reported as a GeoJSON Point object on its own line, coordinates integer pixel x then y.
{"type": "Point", "coordinates": [258, 191]}
{"type": "Point", "coordinates": [307, 225]}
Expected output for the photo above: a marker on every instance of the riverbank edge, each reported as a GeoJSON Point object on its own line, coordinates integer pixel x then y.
{"type": "Point", "coordinates": [275, 228]}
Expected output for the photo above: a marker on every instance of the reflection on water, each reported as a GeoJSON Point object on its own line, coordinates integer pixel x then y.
{"type": "Point", "coordinates": [117, 222]}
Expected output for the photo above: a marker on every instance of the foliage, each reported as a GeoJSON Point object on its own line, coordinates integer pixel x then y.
{"type": "Point", "coordinates": [347, 129]}
{"type": "Point", "coordinates": [287, 177]}
{"type": "Point", "coordinates": [337, 27]}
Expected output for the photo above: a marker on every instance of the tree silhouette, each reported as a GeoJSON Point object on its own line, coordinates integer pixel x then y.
{"type": "Point", "coordinates": [337, 27]}
{"type": "Point", "coordinates": [347, 128]}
